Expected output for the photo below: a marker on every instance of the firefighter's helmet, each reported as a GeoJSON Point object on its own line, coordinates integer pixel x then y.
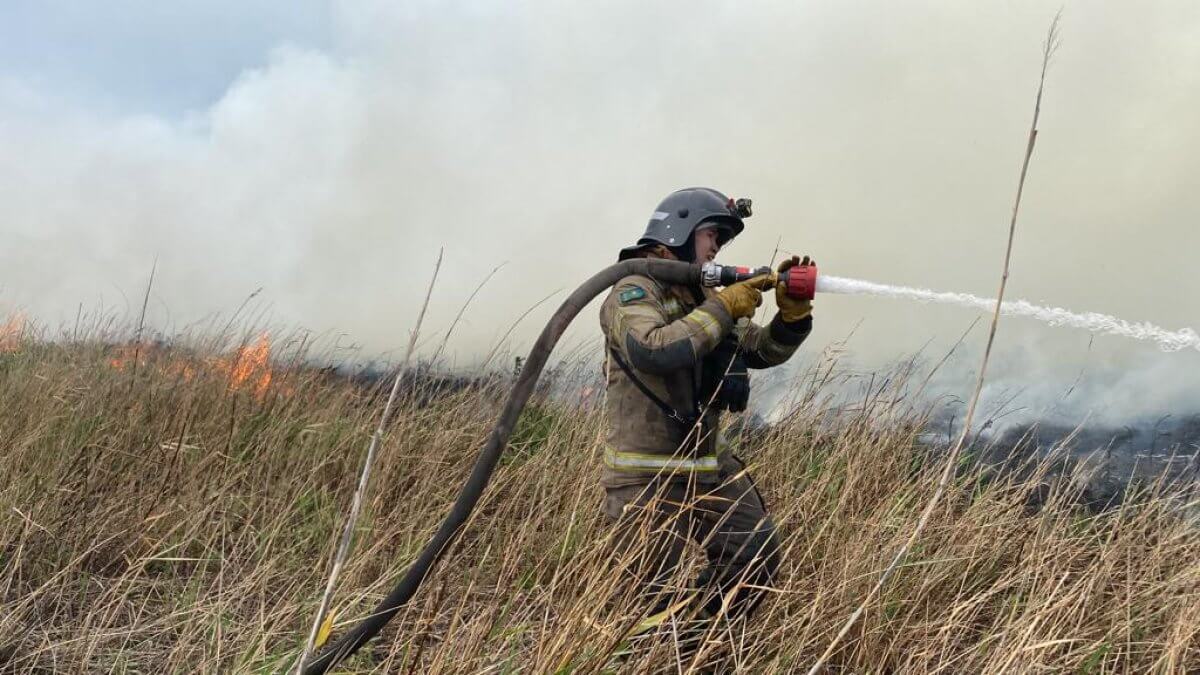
{"type": "Point", "coordinates": [678, 217]}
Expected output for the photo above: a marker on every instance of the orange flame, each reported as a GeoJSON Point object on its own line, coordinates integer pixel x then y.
{"type": "Point", "coordinates": [142, 354]}
{"type": "Point", "coordinates": [129, 354]}
{"type": "Point", "coordinates": [250, 367]}
{"type": "Point", "coordinates": [11, 332]}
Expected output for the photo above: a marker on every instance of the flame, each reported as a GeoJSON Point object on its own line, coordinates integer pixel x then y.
{"type": "Point", "coordinates": [129, 354]}
{"type": "Point", "coordinates": [11, 332]}
{"type": "Point", "coordinates": [248, 368]}
{"type": "Point", "coordinates": [142, 354]}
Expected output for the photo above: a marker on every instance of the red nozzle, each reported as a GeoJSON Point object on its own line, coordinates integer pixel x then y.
{"type": "Point", "coordinates": [800, 281]}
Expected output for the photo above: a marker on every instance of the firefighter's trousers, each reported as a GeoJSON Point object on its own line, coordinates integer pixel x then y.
{"type": "Point", "coordinates": [728, 520]}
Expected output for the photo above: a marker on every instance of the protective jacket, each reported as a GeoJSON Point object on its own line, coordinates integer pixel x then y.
{"type": "Point", "coordinates": [661, 334]}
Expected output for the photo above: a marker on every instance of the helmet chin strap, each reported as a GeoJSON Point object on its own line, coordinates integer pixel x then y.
{"type": "Point", "coordinates": [687, 250]}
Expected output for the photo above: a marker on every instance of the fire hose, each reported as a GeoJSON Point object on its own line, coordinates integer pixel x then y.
{"type": "Point", "coordinates": [798, 282]}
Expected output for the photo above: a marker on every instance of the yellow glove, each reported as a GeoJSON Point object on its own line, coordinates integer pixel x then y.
{"type": "Point", "coordinates": [741, 298]}
{"type": "Point", "coordinates": [790, 308]}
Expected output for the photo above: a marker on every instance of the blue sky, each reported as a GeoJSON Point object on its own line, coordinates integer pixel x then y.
{"type": "Point", "coordinates": [147, 56]}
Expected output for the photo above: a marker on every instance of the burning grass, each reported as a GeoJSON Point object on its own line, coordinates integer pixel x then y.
{"type": "Point", "coordinates": [173, 509]}
{"type": "Point", "coordinates": [11, 332]}
{"type": "Point", "coordinates": [248, 368]}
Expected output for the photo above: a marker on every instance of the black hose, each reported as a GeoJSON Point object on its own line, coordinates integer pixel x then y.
{"type": "Point", "coordinates": [666, 271]}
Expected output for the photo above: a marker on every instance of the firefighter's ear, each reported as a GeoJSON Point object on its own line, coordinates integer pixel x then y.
{"type": "Point", "coordinates": [663, 252]}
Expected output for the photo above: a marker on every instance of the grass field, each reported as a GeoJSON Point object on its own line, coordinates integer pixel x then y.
{"type": "Point", "coordinates": [175, 509]}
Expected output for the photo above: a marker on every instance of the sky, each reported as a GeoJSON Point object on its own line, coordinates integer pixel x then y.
{"type": "Point", "coordinates": [326, 151]}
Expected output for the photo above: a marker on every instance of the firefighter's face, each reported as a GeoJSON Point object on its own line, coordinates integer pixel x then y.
{"type": "Point", "coordinates": [706, 244]}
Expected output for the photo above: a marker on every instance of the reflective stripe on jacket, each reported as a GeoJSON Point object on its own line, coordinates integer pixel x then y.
{"type": "Point", "coordinates": [633, 461]}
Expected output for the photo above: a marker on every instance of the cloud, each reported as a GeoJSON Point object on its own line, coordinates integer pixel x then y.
{"type": "Point", "coordinates": [882, 139]}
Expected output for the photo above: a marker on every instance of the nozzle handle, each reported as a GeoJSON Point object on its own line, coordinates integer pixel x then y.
{"type": "Point", "coordinates": [712, 274]}
{"type": "Point", "coordinates": [800, 281]}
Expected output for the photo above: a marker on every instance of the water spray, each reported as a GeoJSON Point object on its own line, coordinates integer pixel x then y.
{"type": "Point", "coordinates": [803, 282]}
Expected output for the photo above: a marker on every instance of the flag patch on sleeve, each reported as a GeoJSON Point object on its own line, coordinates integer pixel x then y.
{"type": "Point", "coordinates": [630, 294]}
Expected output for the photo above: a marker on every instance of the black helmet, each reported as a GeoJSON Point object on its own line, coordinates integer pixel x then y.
{"type": "Point", "coordinates": [678, 216]}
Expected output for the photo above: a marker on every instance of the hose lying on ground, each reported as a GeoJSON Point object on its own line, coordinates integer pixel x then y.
{"type": "Point", "coordinates": [666, 271]}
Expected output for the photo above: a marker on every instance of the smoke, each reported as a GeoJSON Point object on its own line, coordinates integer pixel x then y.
{"type": "Point", "coordinates": [882, 139]}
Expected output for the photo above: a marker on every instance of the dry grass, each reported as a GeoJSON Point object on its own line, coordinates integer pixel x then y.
{"type": "Point", "coordinates": [157, 519]}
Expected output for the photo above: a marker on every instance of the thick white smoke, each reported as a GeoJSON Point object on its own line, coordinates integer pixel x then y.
{"type": "Point", "coordinates": [882, 139]}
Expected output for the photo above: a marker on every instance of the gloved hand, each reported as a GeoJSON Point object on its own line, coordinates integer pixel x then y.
{"type": "Point", "coordinates": [790, 308]}
{"type": "Point", "coordinates": [741, 298]}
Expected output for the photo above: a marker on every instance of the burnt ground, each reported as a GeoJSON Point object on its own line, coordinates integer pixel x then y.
{"type": "Point", "coordinates": [1105, 463]}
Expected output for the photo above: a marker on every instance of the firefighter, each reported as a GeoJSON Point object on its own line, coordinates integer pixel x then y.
{"type": "Point", "coordinates": [676, 357]}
